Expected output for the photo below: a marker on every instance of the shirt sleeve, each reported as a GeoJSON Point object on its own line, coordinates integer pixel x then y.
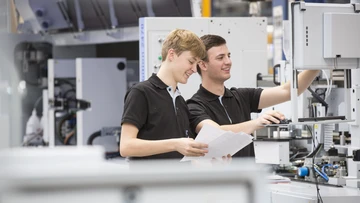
{"type": "Point", "coordinates": [251, 96]}
{"type": "Point", "coordinates": [135, 108]}
{"type": "Point", "coordinates": [197, 113]}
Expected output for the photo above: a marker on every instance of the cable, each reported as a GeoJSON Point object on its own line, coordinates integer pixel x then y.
{"type": "Point", "coordinates": [328, 84]}
{"type": "Point", "coordinates": [331, 81]}
{"type": "Point", "coordinates": [295, 158]}
{"type": "Point", "coordinates": [310, 131]}
{"type": "Point", "coordinates": [319, 199]}
{"type": "Point", "coordinates": [324, 166]}
{"type": "Point", "coordinates": [314, 153]}
{"type": "Point", "coordinates": [37, 102]}
{"type": "Point", "coordinates": [93, 136]}
{"type": "Point", "coordinates": [323, 175]}
{"type": "Point", "coordinates": [108, 155]}
{"type": "Point", "coordinates": [320, 92]}
{"type": "Point", "coordinates": [319, 99]}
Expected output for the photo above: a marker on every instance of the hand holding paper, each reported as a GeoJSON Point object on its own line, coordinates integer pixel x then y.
{"type": "Point", "coordinates": [220, 142]}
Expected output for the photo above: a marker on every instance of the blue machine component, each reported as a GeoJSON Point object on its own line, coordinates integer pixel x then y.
{"type": "Point", "coordinates": [323, 175]}
{"type": "Point", "coordinates": [328, 165]}
{"type": "Point", "coordinates": [303, 171]}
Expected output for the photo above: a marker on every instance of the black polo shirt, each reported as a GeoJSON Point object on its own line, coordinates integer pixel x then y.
{"type": "Point", "coordinates": [149, 106]}
{"type": "Point", "coordinates": [233, 107]}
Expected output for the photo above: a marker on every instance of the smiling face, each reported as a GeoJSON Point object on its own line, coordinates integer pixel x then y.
{"type": "Point", "coordinates": [218, 64]}
{"type": "Point", "coordinates": [183, 66]}
{"type": "Point", "coordinates": [182, 50]}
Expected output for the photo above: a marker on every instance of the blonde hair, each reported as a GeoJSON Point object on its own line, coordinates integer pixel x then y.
{"type": "Point", "coordinates": [183, 40]}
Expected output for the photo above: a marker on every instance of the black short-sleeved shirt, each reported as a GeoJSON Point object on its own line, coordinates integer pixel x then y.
{"type": "Point", "coordinates": [235, 107]}
{"type": "Point", "coordinates": [149, 106]}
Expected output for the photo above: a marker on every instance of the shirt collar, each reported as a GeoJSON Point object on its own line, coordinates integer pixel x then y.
{"type": "Point", "coordinates": [172, 93]}
{"type": "Point", "coordinates": [157, 82]}
{"type": "Point", "coordinates": [204, 93]}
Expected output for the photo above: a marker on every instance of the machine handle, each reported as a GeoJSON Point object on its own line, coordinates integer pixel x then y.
{"type": "Point", "coordinates": [277, 66]}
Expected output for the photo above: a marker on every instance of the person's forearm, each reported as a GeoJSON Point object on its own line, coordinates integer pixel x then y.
{"type": "Point", "coordinates": [247, 127]}
{"type": "Point", "coordinates": [139, 148]}
{"type": "Point", "coordinates": [305, 79]}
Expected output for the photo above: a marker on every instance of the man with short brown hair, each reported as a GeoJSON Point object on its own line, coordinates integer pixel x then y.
{"type": "Point", "coordinates": [229, 109]}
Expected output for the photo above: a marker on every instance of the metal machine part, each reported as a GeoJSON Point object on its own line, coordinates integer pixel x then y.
{"type": "Point", "coordinates": [330, 167]}
{"type": "Point", "coordinates": [356, 155]}
{"type": "Point", "coordinates": [56, 16]}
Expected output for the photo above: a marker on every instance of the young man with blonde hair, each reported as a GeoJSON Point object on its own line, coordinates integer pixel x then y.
{"type": "Point", "coordinates": [155, 123]}
{"type": "Point", "coordinates": [229, 109]}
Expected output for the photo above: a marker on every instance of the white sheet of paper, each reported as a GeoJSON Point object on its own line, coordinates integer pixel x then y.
{"type": "Point", "coordinates": [221, 143]}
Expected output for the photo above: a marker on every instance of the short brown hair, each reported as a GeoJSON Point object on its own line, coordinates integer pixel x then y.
{"type": "Point", "coordinates": [183, 40]}
{"type": "Point", "coordinates": [209, 42]}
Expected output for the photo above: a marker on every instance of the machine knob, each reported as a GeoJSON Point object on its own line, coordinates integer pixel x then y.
{"type": "Point", "coordinates": [40, 12]}
{"type": "Point", "coordinates": [303, 171]}
{"type": "Point", "coordinates": [45, 24]}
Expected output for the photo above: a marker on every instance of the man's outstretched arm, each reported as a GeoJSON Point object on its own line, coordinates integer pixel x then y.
{"type": "Point", "coordinates": [279, 94]}
{"type": "Point", "coordinates": [247, 127]}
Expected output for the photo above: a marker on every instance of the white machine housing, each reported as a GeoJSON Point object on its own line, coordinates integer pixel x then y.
{"type": "Point", "coordinates": [272, 152]}
{"type": "Point", "coordinates": [310, 37]}
{"type": "Point", "coordinates": [103, 84]}
{"type": "Point", "coordinates": [322, 16]}
{"type": "Point", "coordinates": [246, 39]}
{"type": "Point", "coordinates": [325, 36]}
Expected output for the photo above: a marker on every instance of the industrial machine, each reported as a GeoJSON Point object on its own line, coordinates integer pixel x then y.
{"type": "Point", "coordinates": [331, 49]}
{"type": "Point", "coordinates": [320, 40]}
{"type": "Point", "coordinates": [82, 107]}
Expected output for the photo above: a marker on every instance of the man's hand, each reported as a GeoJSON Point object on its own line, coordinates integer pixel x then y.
{"type": "Point", "coordinates": [188, 147]}
{"type": "Point", "coordinates": [269, 118]}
